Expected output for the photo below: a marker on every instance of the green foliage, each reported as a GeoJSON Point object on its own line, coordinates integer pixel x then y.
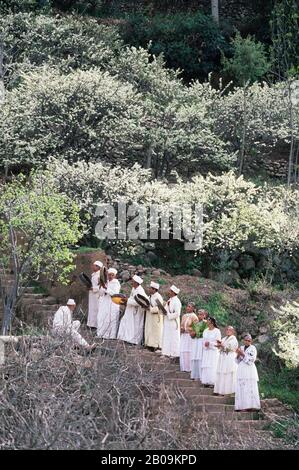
{"type": "Point", "coordinates": [67, 43]}
{"type": "Point", "coordinates": [281, 384]}
{"type": "Point", "coordinates": [189, 41]}
{"type": "Point", "coordinates": [216, 306]}
{"type": "Point", "coordinates": [37, 227]}
{"type": "Point", "coordinates": [249, 62]}
{"type": "Point", "coordinates": [285, 44]}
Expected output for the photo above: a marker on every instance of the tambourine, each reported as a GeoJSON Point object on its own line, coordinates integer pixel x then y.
{"type": "Point", "coordinates": [119, 299]}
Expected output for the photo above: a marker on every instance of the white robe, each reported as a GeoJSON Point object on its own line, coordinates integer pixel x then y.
{"type": "Point", "coordinates": [154, 323]}
{"type": "Point", "coordinates": [226, 370]}
{"type": "Point", "coordinates": [186, 341]}
{"type": "Point", "coordinates": [63, 324]}
{"type": "Point", "coordinates": [171, 328]}
{"type": "Point", "coordinates": [131, 324]}
{"type": "Point", "coordinates": [247, 393]}
{"type": "Point", "coordinates": [93, 301]}
{"type": "Point", "coordinates": [196, 357]}
{"type": "Point", "coordinates": [210, 356]}
{"type": "Point", "coordinates": [108, 314]}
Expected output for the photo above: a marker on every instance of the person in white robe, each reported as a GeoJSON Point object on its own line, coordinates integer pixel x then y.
{"type": "Point", "coordinates": [171, 327]}
{"type": "Point", "coordinates": [63, 325]}
{"type": "Point", "coordinates": [154, 320]}
{"type": "Point", "coordinates": [187, 321]}
{"type": "Point", "coordinates": [93, 298]}
{"type": "Point", "coordinates": [247, 393]}
{"type": "Point", "coordinates": [226, 369]}
{"type": "Point", "coordinates": [108, 314]}
{"type": "Point", "coordinates": [132, 323]}
{"type": "Point", "coordinates": [197, 343]}
{"type": "Point", "coordinates": [210, 353]}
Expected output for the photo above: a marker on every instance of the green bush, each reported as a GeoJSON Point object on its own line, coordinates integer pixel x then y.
{"type": "Point", "coordinates": [188, 41]}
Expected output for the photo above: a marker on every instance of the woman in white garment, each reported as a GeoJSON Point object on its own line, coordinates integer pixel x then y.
{"type": "Point", "coordinates": [171, 328]}
{"type": "Point", "coordinates": [210, 353]}
{"type": "Point", "coordinates": [197, 343]}
{"type": "Point", "coordinates": [247, 393]}
{"type": "Point", "coordinates": [108, 315]}
{"type": "Point", "coordinates": [93, 298]}
{"type": "Point", "coordinates": [132, 323]}
{"type": "Point", "coordinates": [226, 369]}
{"type": "Point", "coordinates": [187, 321]}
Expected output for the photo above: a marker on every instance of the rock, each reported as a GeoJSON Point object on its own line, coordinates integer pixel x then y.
{"type": "Point", "coordinates": [125, 276]}
{"type": "Point", "coordinates": [149, 246]}
{"type": "Point", "coordinates": [263, 329]}
{"type": "Point", "coordinates": [156, 272]}
{"type": "Point", "coordinates": [263, 339]}
{"type": "Point", "coordinates": [151, 256]}
{"type": "Point", "coordinates": [247, 263]}
{"type": "Point", "coordinates": [196, 272]}
{"type": "Point", "coordinates": [227, 277]}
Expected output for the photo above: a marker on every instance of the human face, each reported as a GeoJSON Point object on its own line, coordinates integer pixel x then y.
{"type": "Point", "coordinates": [210, 324]}
{"type": "Point", "coordinates": [111, 276]}
{"type": "Point", "coordinates": [189, 308]}
{"type": "Point", "coordinates": [229, 331]}
{"type": "Point", "coordinates": [134, 284]}
{"type": "Point", "coordinates": [95, 268]}
{"type": "Point", "coordinates": [247, 342]}
{"type": "Point", "coordinates": [152, 291]}
{"type": "Point", "coordinates": [201, 316]}
{"type": "Point", "coordinates": [72, 307]}
{"type": "Point", "coordinates": [171, 293]}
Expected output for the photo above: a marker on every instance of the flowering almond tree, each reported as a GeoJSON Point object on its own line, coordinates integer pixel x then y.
{"type": "Point", "coordinates": [37, 227]}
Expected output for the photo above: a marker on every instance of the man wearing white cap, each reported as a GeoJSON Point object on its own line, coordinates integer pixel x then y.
{"type": "Point", "coordinates": [93, 298]}
{"type": "Point", "coordinates": [108, 314]}
{"type": "Point", "coordinates": [63, 324]}
{"type": "Point", "coordinates": [154, 319]}
{"type": "Point", "coordinates": [171, 328]}
{"type": "Point", "coordinates": [132, 323]}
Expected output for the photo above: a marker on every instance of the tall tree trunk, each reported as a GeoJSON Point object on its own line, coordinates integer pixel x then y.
{"type": "Point", "coordinates": [291, 154]}
{"type": "Point", "coordinates": [243, 142]}
{"type": "Point", "coordinates": [215, 10]}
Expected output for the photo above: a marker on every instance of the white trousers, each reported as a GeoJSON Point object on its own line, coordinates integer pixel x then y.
{"type": "Point", "coordinates": [73, 331]}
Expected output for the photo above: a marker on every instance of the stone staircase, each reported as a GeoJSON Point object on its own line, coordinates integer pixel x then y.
{"type": "Point", "coordinates": [201, 400]}
{"type": "Point", "coordinates": [35, 309]}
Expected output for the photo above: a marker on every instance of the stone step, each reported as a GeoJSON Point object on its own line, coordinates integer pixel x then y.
{"type": "Point", "coordinates": [42, 307]}
{"type": "Point", "coordinates": [191, 391]}
{"type": "Point", "coordinates": [229, 416]}
{"type": "Point", "coordinates": [35, 299]}
{"type": "Point", "coordinates": [210, 399]}
{"type": "Point", "coordinates": [248, 424]}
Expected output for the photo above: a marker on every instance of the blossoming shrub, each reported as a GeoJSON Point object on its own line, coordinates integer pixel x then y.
{"type": "Point", "coordinates": [286, 331]}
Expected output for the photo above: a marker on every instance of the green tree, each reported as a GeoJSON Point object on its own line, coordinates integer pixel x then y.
{"type": "Point", "coordinates": [37, 227]}
{"type": "Point", "coordinates": [248, 64]}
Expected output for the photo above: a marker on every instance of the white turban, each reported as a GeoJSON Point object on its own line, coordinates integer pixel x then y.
{"type": "Point", "coordinates": [112, 271]}
{"type": "Point", "coordinates": [155, 285]}
{"type": "Point", "coordinates": [137, 279]}
{"type": "Point", "coordinates": [71, 302]}
{"type": "Point", "coordinates": [98, 263]}
{"type": "Point", "coordinates": [175, 289]}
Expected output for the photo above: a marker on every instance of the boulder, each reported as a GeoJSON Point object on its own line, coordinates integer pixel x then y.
{"type": "Point", "coordinates": [226, 277]}
{"type": "Point", "coordinates": [196, 272]}
{"type": "Point", "coordinates": [125, 276]}
{"type": "Point", "coordinates": [263, 339]}
{"type": "Point", "coordinates": [156, 272]}
{"type": "Point", "coordinates": [152, 257]}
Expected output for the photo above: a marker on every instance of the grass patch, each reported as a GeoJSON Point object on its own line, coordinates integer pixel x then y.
{"type": "Point", "coordinates": [215, 305]}
{"type": "Point", "coordinates": [85, 249]}
{"type": "Point", "coordinates": [281, 385]}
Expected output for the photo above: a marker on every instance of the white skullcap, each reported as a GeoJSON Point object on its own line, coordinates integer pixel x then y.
{"type": "Point", "coordinates": [137, 279]}
{"type": "Point", "coordinates": [71, 302]}
{"type": "Point", "coordinates": [155, 285]}
{"type": "Point", "coordinates": [112, 271]}
{"type": "Point", "coordinates": [175, 289]}
{"type": "Point", "coordinates": [98, 263]}
{"type": "Point", "coordinates": [248, 336]}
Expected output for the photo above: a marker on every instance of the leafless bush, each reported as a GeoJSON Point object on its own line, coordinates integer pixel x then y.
{"type": "Point", "coordinates": [55, 397]}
